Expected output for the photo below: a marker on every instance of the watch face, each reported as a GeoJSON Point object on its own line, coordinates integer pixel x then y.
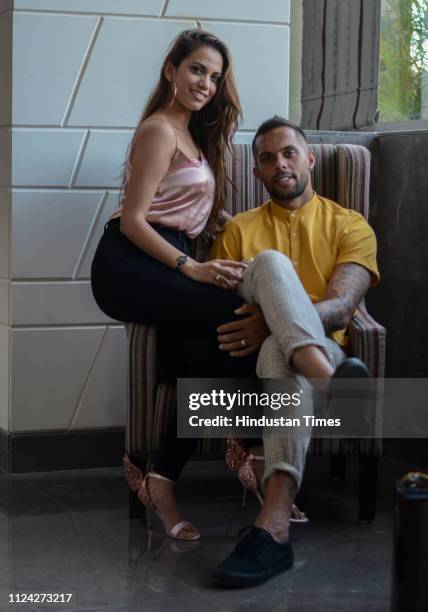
{"type": "Point", "coordinates": [181, 260]}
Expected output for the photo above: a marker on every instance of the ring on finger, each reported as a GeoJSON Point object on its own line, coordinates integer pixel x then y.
{"type": "Point", "coordinates": [244, 344]}
{"type": "Point", "coordinates": [217, 276]}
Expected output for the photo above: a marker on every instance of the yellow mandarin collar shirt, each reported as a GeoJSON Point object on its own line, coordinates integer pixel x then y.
{"type": "Point", "coordinates": [316, 237]}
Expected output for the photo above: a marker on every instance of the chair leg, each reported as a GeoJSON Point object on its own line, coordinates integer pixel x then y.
{"type": "Point", "coordinates": [338, 467]}
{"type": "Point", "coordinates": [367, 487]}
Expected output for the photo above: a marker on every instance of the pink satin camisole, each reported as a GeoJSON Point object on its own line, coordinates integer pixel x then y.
{"type": "Point", "coordinates": [184, 197]}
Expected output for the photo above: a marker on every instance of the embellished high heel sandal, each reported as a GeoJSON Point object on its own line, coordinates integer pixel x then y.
{"type": "Point", "coordinates": [141, 486]}
{"type": "Point", "coordinates": [238, 459]}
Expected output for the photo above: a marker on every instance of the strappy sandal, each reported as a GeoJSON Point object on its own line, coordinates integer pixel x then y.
{"type": "Point", "coordinates": [238, 459]}
{"type": "Point", "coordinates": [141, 485]}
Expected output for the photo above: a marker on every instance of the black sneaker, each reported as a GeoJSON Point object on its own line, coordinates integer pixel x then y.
{"type": "Point", "coordinates": [256, 558]}
{"type": "Point", "coordinates": [351, 367]}
{"type": "Point", "coordinates": [353, 403]}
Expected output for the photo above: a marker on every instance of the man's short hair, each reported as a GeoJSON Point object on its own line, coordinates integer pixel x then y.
{"type": "Point", "coordinates": [272, 124]}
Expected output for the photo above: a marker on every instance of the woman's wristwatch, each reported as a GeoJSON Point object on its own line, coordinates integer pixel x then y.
{"type": "Point", "coordinates": [180, 261]}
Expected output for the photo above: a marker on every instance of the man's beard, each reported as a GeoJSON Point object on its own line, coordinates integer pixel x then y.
{"type": "Point", "coordinates": [282, 196]}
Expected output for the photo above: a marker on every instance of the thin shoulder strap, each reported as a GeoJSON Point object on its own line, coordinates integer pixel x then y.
{"type": "Point", "coordinates": [176, 139]}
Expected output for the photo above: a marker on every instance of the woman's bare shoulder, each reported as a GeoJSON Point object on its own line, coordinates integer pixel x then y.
{"type": "Point", "coordinates": [156, 131]}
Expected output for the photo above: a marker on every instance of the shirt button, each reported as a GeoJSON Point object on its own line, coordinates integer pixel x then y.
{"type": "Point", "coordinates": [294, 262]}
{"type": "Point", "coordinates": [293, 215]}
{"type": "Point", "coordinates": [294, 233]}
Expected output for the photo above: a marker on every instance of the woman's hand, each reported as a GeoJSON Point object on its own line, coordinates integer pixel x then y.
{"type": "Point", "coordinates": [226, 274]}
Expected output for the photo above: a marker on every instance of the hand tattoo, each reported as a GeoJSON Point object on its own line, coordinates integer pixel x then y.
{"type": "Point", "coordinates": [345, 290]}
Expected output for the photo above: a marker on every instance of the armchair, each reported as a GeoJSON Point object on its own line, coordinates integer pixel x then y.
{"type": "Point", "coordinates": [341, 173]}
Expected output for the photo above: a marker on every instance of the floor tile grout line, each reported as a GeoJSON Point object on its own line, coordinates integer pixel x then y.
{"type": "Point", "coordinates": [69, 512]}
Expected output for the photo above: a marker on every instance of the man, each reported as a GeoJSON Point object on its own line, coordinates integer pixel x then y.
{"type": "Point", "coordinates": [330, 257]}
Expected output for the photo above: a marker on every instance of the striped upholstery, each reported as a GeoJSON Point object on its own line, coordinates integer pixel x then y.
{"type": "Point", "coordinates": [341, 173]}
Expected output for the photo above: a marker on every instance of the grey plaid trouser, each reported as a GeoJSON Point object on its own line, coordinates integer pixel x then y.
{"type": "Point", "coordinates": [271, 281]}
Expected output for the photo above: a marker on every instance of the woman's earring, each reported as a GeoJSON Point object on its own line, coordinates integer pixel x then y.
{"type": "Point", "coordinates": [173, 97]}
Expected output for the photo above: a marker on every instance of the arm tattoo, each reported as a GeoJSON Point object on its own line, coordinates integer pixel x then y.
{"type": "Point", "coordinates": [345, 290]}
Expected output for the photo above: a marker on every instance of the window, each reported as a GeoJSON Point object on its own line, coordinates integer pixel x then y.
{"type": "Point", "coordinates": [403, 70]}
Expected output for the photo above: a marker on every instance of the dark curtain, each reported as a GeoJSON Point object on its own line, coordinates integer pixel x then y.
{"type": "Point", "coordinates": [340, 63]}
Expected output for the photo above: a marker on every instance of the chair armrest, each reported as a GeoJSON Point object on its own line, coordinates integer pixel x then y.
{"type": "Point", "coordinates": [368, 341]}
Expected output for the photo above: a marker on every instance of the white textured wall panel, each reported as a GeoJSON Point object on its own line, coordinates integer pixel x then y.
{"type": "Point", "coordinates": [60, 303]}
{"type": "Point", "coordinates": [44, 158]}
{"type": "Point", "coordinates": [122, 71]}
{"type": "Point", "coordinates": [103, 404]}
{"type": "Point", "coordinates": [5, 66]}
{"type": "Point", "coordinates": [111, 203]}
{"type": "Point", "coordinates": [261, 70]}
{"type": "Point", "coordinates": [243, 137]}
{"type": "Point", "coordinates": [5, 150]}
{"type": "Point", "coordinates": [48, 51]}
{"type": "Point", "coordinates": [49, 231]}
{"type": "Point", "coordinates": [103, 159]}
{"type": "Point", "coordinates": [49, 370]}
{"type": "Point", "coordinates": [5, 198]}
{"type": "Point", "coordinates": [4, 377]}
{"type": "Point", "coordinates": [4, 301]}
{"type": "Point", "coordinates": [239, 10]}
{"type": "Point", "coordinates": [124, 7]}
{"type": "Point", "coordinates": [82, 73]}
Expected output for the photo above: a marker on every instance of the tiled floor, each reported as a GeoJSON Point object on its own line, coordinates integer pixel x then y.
{"type": "Point", "coordinates": [68, 532]}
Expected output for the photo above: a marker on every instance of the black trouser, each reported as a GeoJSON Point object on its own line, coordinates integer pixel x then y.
{"type": "Point", "coordinates": [130, 286]}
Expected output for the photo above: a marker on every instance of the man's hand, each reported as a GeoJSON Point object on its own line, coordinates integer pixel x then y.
{"type": "Point", "coordinates": [243, 337]}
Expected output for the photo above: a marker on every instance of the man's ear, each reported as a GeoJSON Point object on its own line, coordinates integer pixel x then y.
{"type": "Point", "coordinates": [169, 71]}
{"type": "Point", "coordinates": [311, 160]}
{"type": "Point", "coordinates": [256, 172]}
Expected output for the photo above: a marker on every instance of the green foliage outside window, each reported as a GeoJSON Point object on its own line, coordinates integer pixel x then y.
{"type": "Point", "coordinates": [403, 73]}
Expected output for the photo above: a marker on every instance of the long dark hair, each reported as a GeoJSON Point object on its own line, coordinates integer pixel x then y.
{"type": "Point", "coordinates": [213, 127]}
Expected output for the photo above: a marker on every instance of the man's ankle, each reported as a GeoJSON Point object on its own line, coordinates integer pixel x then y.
{"type": "Point", "coordinates": [280, 491]}
{"type": "Point", "coordinates": [278, 530]}
{"type": "Point", "coordinates": [280, 487]}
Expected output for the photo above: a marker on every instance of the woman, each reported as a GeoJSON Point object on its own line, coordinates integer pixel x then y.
{"type": "Point", "coordinates": [174, 186]}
